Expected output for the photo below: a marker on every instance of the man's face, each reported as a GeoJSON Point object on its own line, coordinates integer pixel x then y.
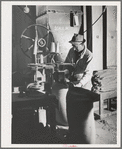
{"type": "Point", "coordinates": [78, 46]}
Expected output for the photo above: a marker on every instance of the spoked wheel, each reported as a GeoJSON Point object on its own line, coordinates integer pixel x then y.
{"type": "Point", "coordinates": [36, 38]}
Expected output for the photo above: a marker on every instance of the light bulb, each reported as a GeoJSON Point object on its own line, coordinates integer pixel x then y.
{"type": "Point", "coordinates": [26, 10]}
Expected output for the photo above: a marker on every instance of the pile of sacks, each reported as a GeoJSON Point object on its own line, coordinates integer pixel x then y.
{"type": "Point", "coordinates": [104, 80]}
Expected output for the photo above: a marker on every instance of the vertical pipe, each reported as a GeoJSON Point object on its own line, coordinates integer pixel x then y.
{"type": "Point", "coordinates": [71, 19]}
{"type": "Point", "coordinates": [104, 38]}
{"type": "Point", "coordinates": [82, 23]}
{"type": "Point", "coordinates": [89, 27]}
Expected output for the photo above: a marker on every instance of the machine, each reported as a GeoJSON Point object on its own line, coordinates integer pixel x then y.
{"type": "Point", "coordinates": [47, 65]}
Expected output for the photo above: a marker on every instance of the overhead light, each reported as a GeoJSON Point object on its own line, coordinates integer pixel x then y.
{"type": "Point", "coordinates": [26, 9]}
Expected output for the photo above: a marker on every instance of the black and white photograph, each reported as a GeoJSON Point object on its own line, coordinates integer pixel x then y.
{"type": "Point", "coordinates": [60, 74]}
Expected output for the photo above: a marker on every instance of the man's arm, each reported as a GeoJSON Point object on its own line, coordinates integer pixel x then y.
{"type": "Point", "coordinates": [68, 60]}
{"type": "Point", "coordinates": [86, 76]}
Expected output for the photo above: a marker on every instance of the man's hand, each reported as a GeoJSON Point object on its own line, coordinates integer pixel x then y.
{"type": "Point", "coordinates": [77, 84]}
{"type": "Point", "coordinates": [70, 84]}
{"type": "Point", "coordinates": [74, 84]}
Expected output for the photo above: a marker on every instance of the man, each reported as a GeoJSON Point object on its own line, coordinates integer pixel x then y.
{"type": "Point", "coordinates": [82, 59]}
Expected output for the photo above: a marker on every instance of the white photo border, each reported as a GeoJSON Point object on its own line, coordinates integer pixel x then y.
{"type": "Point", "coordinates": [6, 69]}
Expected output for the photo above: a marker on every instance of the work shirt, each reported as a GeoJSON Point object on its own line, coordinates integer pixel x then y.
{"type": "Point", "coordinates": [82, 67]}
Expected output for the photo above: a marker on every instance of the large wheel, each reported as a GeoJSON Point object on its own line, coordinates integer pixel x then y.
{"type": "Point", "coordinates": [35, 35]}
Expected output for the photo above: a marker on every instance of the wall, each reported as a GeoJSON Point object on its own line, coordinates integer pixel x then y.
{"type": "Point", "coordinates": [105, 55]}
{"type": "Point", "coordinates": [97, 38]}
{"type": "Point", "coordinates": [20, 21]}
{"type": "Point", "coordinates": [111, 36]}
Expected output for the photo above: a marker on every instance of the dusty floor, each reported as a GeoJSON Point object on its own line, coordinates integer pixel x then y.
{"type": "Point", "coordinates": [106, 130]}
